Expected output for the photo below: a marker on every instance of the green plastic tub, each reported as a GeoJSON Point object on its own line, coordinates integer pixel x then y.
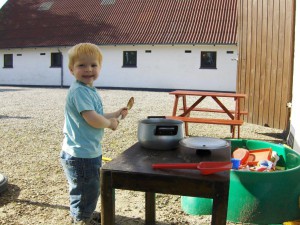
{"type": "Point", "coordinates": [258, 197]}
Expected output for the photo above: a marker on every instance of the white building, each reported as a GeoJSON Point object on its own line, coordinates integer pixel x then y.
{"type": "Point", "coordinates": [158, 67]}
{"type": "Point", "coordinates": [168, 44]}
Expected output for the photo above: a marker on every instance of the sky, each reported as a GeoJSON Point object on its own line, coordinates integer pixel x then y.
{"type": "Point", "coordinates": [2, 3]}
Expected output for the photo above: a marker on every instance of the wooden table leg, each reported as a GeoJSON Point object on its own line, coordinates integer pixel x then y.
{"type": "Point", "coordinates": [238, 114]}
{"type": "Point", "coordinates": [186, 126]}
{"type": "Point", "coordinates": [233, 131]}
{"type": "Point", "coordinates": [175, 105]}
{"type": "Point", "coordinates": [220, 205]}
{"type": "Point", "coordinates": [107, 199]}
{"type": "Point", "coordinates": [150, 208]}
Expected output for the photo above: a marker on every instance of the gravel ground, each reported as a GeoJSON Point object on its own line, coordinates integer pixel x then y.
{"type": "Point", "coordinates": [31, 121]}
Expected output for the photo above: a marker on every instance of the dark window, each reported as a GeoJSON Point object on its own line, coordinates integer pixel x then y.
{"type": "Point", "coordinates": [107, 2]}
{"type": "Point", "coordinates": [56, 59]}
{"type": "Point", "coordinates": [208, 60]}
{"type": "Point", "coordinates": [45, 6]}
{"type": "Point", "coordinates": [8, 61]}
{"type": "Point", "coordinates": [129, 59]}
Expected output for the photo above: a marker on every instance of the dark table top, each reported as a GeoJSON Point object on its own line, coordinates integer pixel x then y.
{"type": "Point", "coordinates": [138, 160]}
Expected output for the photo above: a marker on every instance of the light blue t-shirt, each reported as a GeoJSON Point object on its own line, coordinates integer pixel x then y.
{"type": "Point", "coordinates": [80, 139]}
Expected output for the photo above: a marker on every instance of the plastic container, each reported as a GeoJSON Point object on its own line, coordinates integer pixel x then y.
{"type": "Point", "coordinates": [259, 197]}
{"type": "Point", "coordinates": [197, 206]}
{"type": "Point", "coordinates": [235, 163]}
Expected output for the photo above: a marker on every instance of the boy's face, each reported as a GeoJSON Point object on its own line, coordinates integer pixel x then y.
{"type": "Point", "coordinates": [86, 69]}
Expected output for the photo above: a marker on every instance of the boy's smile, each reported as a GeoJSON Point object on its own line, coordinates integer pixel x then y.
{"type": "Point", "coordinates": [86, 69]}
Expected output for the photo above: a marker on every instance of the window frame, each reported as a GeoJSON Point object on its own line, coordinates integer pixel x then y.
{"type": "Point", "coordinates": [204, 65]}
{"type": "Point", "coordinates": [55, 62]}
{"type": "Point", "coordinates": [8, 61]}
{"type": "Point", "coordinates": [129, 64]}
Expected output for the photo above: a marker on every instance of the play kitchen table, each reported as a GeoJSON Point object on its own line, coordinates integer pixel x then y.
{"type": "Point", "coordinates": [132, 170]}
{"type": "Point", "coordinates": [234, 115]}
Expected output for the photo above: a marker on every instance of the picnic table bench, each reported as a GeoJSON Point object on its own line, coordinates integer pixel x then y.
{"type": "Point", "coordinates": [234, 115]}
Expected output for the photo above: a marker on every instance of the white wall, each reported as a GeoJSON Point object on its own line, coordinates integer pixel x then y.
{"type": "Point", "coordinates": [169, 67]}
{"type": "Point", "coordinates": [295, 118]}
{"type": "Point", "coordinates": [166, 67]}
{"type": "Point", "coordinates": [30, 68]}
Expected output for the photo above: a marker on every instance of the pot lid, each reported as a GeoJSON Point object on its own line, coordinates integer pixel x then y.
{"type": "Point", "coordinates": [204, 143]}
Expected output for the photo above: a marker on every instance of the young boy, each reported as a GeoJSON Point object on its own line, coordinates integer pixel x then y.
{"type": "Point", "coordinates": [84, 125]}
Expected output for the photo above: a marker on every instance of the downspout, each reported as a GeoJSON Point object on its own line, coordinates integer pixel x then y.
{"type": "Point", "coordinates": [62, 72]}
{"type": "Point", "coordinates": [61, 69]}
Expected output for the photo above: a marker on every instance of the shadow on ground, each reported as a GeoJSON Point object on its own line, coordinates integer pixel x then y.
{"type": "Point", "coordinates": [15, 117]}
{"type": "Point", "coordinates": [280, 136]}
{"type": "Point", "coordinates": [123, 220]}
{"type": "Point", "coordinates": [10, 195]}
{"type": "Point", "coordinates": [11, 90]}
{"type": "Point", "coordinates": [13, 191]}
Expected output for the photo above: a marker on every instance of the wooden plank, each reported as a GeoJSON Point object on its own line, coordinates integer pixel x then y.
{"type": "Point", "coordinates": [186, 110]}
{"type": "Point", "coordinates": [242, 29]}
{"type": "Point", "coordinates": [280, 54]}
{"type": "Point", "coordinates": [207, 93]}
{"type": "Point", "coordinates": [256, 59]}
{"type": "Point", "coordinates": [215, 110]}
{"type": "Point", "coordinates": [266, 32]}
{"type": "Point", "coordinates": [274, 57]}
{"type": "Point", "coordinates": [249, 79]}
{"type": "Point", "coordinates": [288, 63]}
{"type": "Point", "coordinates": [207, 120]}
{"type": "Point", "coordinates": [264, 43]}
{"type": "Point", "coordinates": [239, 29]}
{"type": "Point", "coordinates": [267, 84]}
{"type": "Point", "coordinates": [252, 62]}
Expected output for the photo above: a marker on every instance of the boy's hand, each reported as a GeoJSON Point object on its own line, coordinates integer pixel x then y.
{"type": "Point", "coordinates": [123, 112]}
{"type": "Point", "coordinates": [113, 123]}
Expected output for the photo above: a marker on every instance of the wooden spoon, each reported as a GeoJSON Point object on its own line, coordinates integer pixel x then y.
{"type": "Point", "coordinates": [129, 106]}
{"type": "Point", "coordinates": [130, 103]}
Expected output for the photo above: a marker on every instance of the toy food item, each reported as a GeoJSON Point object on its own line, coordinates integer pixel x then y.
{"type": "Point", "coordinates": [242, 154]}
{"type": "Point", "coordinates": [259, 154]}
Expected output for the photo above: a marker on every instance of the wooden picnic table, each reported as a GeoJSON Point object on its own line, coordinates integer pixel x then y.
{"type": "Point", "coordinates": [234, 115]}
{"type": "Point", "coordinates": [132, 170]}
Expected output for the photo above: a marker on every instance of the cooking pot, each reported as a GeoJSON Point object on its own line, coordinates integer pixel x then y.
{"type": "Point", "coordinates": [207, 145]}
{"type": "Point", "coordinates": [160, 133]}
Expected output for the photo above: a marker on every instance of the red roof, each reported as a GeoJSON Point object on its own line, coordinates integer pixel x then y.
{"type": "Point", "coordinates": [67, 22]}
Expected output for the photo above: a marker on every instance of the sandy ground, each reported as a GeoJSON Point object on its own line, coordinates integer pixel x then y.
{"type": "Point", "coordinates": [31, 121]}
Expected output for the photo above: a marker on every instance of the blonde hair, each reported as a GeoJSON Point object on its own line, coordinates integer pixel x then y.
{"type": "Point", "coordinates": [84, 49]}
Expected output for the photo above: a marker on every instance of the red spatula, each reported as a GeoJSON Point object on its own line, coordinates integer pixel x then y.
{"type": "Point", "coordinates": [205, 168]}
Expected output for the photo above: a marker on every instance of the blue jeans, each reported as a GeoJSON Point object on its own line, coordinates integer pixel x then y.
{"type": "Point", "coordinates": [83, 176]}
